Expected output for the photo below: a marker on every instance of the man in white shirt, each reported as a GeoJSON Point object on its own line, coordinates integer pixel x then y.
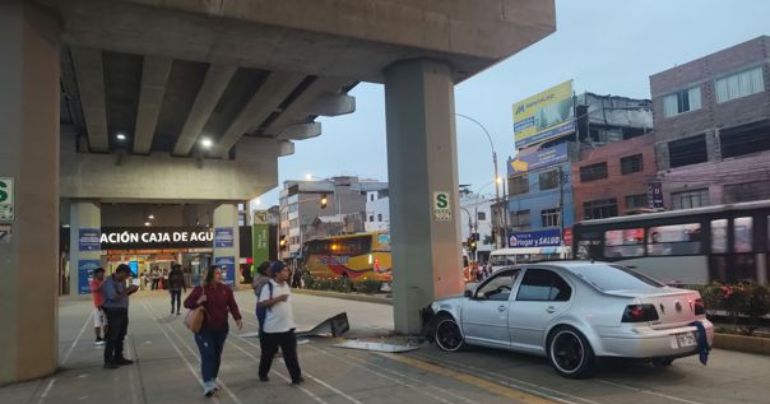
{"type": "Point", "coordinates": [278, 327]}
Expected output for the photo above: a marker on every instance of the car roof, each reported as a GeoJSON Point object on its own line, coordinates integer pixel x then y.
{"type": "Point", "coordinates": [566, 265]}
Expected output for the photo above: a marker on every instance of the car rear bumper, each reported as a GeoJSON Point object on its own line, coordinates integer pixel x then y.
{"type": "Point", "coordinates": [652, 343]}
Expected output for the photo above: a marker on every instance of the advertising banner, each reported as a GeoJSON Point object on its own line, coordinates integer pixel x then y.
{"type": "Point", "coordinates": [89, 239]}
{"type": "Point", "coordinates": [228, 270]}
{"type": "Point", "coordinates": [260, 236]}
{"type": "Point", "coordinates": [655, 195]}
{"type": "Point", "coordinates": [544, 116]}
{"type": "Point", "coordinates": [539, 238]}
{"type": "Point", "coordinates": [137, 238]}
{"type": "Point", "coordinates": [85, 274]}
{"type": "Point", "coordinates": [542, 158]}
{"type": "Point", "coordinates": [223, 237]}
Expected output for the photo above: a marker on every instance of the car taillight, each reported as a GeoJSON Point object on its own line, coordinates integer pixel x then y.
{"type": "Point", "coordinates": [637, 313]}
{"type": "Point", "coordinates": [700, 308]}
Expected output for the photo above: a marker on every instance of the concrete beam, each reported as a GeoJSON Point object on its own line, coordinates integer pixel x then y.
{"type": "Point", "coordinates": [160, 177]}
{"type": "Point", "coordinates": [155, 71]}
{"type": "Point", "coordinates": [301, 131]}
{"type": "Point", "coordinates": [90, 74]}
{"type": "Point", "coordinates": [267, 99]}
{"type": "Point", "coordinates": [332, 105]}
{"type": "Point", "coordinates": [295, 112]}
{"type": "Point", "coordinates": [214, 85]}
{"type": "Point", "coordinates": [286, 148]}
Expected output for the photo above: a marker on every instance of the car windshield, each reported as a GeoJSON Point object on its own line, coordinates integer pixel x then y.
{"type": "Point", "coordinates": [614, 277]}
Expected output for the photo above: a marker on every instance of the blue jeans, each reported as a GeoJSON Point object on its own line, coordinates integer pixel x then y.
{"type": "Point", "coordinates": [210, 344]}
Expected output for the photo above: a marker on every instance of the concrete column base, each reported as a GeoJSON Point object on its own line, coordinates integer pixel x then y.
{"type": "Point", "coordinates": [29, 153]}
{"type": "Point", "coordinates": [422, 161]}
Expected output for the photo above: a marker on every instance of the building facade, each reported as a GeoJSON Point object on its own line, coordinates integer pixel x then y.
{"type": "Point", "coordinates": [542, 185]}
{"type": "Point", "coordinates": [308, 207]}
{"type": "Point", "coordinates": [616, 179]}
{"type": "Point", "coordinates": [377, 216]}
{"type": "Point", "coordinates": [476, 219]}
{"type": "Point", "coordinates": [712, 125]}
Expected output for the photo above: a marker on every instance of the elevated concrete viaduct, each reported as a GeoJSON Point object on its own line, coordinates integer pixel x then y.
{"type": "Point", "coordinates": [193, 101]}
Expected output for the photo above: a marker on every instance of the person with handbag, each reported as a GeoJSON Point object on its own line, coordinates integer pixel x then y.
{"type": "Point", "coordinates": [213, 302]}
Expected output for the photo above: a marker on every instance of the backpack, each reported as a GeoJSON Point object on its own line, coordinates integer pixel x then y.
{"type": "Point", "coordinates": [262, 311]}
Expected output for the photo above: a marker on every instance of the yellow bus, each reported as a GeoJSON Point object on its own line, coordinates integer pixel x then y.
{"type": "Point", "coordinates": [360, 257]}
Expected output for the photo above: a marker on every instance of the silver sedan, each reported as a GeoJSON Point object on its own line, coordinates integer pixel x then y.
{"type": "Point", "coordinates": [573, 312]}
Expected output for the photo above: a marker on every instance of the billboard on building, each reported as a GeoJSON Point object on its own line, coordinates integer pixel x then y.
{"type": "Point", "coordinates": [544, 116]}
{"type": "Point", "coordinates": [541, 158]}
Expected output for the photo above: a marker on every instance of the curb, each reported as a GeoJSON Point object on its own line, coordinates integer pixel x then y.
{"type": "Point", "coordinates": [344, 296]}
{"type": "Point", "coordinates": [742, 343]}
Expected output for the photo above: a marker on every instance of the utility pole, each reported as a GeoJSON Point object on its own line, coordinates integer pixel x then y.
{"type": "Point", "coordinates": [561, 204]}
{"type": "Point", "coordinates": [497, 225]}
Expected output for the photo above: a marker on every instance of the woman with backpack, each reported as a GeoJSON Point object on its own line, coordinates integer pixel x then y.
{"type": "Point", "coordinates": [217, 301]}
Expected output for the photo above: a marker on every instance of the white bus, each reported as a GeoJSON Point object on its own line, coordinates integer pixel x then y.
{"type": "Point", "coordinates": [726, 243]}
{"type": "Point", "coordinates": [510, 256]}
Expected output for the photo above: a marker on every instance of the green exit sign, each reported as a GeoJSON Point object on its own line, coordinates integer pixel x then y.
{"type": "Point", "coordinates": [6, 199]}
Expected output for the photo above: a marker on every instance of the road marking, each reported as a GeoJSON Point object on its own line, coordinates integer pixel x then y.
{"type": "Point", "coordinates": [310, 376]}
{"type": "Point", "coordinates": [646, 391]}
{"type": "Point", "coordinates": [184, 358]}
{"type": "Point", "coordinates": [493, 387]}
{"type": "Point", "coordinates": [47, 390]}
{"type": "Point", "coordinates": [514, 382]}
{"type": "Point", "coordinates": [75, 342]}
{"type": "Point", "coordinates": [52, 380]}
{"type": "Point", "coordinates": [360, 363]}
{"type": "Point", "coordinates": [282, 376]}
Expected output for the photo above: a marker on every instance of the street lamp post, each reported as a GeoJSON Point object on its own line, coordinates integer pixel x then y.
{"type": "Point", "coordinates": [497, 177]}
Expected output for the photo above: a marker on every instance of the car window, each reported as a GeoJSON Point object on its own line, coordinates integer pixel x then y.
{"type": "Point", "coordinates": [543, 285]}
{"type": "Point", "coordinates": [614, 277]}
{"type": "Point", "coordinates": [498, 287]}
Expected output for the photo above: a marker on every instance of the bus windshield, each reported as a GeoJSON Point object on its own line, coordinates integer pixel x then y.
{"type": "Point", "coordinates": [614, 277]}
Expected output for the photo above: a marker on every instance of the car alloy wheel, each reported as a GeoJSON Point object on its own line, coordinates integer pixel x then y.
{"type": "Point", "coordinates": [570, 354]}
{"type": "Point", "coordinates": [448, 335]}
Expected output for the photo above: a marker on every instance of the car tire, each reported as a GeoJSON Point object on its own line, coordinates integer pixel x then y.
{"type": "Point", "coordinates": [447, 334]}
{"type": "Point", "coordinates": [570, 353]}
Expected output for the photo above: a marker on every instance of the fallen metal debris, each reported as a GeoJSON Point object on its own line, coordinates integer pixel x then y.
{"type": "Point", "coordinates": [376, 346]}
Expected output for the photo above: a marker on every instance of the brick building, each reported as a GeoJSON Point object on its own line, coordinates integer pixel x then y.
{"type": "Point", "coordinates": [614, 179]}
{"type": "Point", "coordinates": [712, 125]}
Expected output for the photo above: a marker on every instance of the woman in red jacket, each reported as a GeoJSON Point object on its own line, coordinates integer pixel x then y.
{"type": "Point", "coordinates": [217, 299]}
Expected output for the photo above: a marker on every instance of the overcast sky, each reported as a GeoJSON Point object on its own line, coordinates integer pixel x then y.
{"type": "Point", "coordinates": [606, 46]}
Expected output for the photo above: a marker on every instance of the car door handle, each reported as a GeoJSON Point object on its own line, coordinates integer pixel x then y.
{"type": "Point", "coordinates": [501, 308]}
{"type": "Point", "coordinates": [550, 309]}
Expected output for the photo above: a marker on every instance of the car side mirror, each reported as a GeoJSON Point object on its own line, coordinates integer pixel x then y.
{"type": "Point", "coordinates": [469, 294]}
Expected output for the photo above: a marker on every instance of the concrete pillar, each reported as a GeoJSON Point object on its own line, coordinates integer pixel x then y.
{"type": "Point", "coordinates": [422, 161]}
{"type": "Point", "coordinates": [85, 250]}
{"type": "Point", "coordinates": [226, 247]}
{"type": "Point", "coordinates": [29, 153]}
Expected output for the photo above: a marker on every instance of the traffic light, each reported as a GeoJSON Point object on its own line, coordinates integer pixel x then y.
{"type": "Point", "coordinates": [324, 201]}
{"type": "Point", "coordinates": [283, 243]}
{"type": "Point", "coordinates": [471, 243]}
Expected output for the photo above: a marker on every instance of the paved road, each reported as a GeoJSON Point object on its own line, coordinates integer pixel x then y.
{"type": "Point", "coordinates": [167, 368]}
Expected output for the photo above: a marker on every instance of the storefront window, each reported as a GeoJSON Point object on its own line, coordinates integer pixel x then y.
{"type": "Point", "coordinates": [719, 236]}
{"type": "Point", "coordinates": [624, 243]}
{"type": "Point", "coordinates": [743, 227]}
{"type": "Point", "coordinates": [677, 239]}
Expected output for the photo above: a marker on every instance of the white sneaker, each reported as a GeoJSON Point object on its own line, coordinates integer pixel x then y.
{"type": "Point", "coordinates": [209, 388]}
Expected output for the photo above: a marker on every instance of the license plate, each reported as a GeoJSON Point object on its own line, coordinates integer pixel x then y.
{"type": "Point", "coordinates": [683, 340]}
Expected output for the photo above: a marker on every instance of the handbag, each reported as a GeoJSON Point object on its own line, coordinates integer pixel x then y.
{"type": "Point", "coordinates": [194, 318]}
